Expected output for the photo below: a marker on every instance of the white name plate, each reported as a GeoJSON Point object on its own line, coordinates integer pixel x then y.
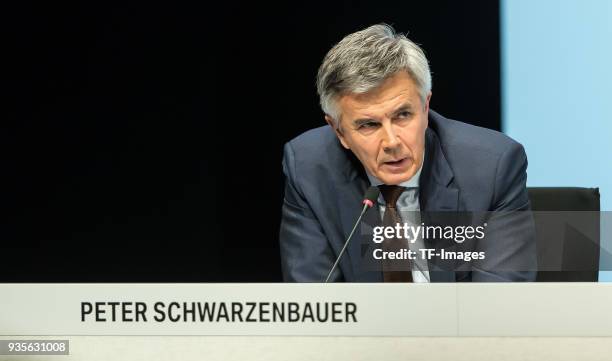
{"type": "Point", "coordinates": [533, 309]}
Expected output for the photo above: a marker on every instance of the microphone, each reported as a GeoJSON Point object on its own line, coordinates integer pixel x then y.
{"type": "Point", "coordinates": [371, 195]}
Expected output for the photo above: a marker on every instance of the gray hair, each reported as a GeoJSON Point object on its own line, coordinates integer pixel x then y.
{"type": "Point", "coordinates": [363, 60]}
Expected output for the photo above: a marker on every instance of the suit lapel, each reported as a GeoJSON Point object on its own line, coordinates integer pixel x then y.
{"type": "Point", "coordinates": [435, 190]}
{"type": "Point", "coordinates": [350, 197]}
{"type": "Point", "coordinates": [436, 195]}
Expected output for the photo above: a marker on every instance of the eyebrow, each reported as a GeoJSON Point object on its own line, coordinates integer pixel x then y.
{"type": "Point", "coordinates": [404, 107]}
{"type": "Point", "coordinates": [360, 121]}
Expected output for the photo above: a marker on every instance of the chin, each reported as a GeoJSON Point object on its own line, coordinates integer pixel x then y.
{"type": "Point", "coordinates": [394, 179]}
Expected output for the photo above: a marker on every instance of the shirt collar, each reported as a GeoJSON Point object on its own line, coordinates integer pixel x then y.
{"type": "Point", "coordinates": [410, 183]}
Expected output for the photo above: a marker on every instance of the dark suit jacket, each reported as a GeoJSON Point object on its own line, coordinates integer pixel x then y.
{"type": "Point", "coordinates": [466, 168]}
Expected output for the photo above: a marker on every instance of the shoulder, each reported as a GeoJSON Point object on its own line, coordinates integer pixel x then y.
{"type": "Point", "coordinates": [456, 136]}
{"type": "Point", "coordinates": [317, 151]}
{"type": "Point", "coordinates": [314, 140]}
{"type": "Point", "coordinates": [488, 166]}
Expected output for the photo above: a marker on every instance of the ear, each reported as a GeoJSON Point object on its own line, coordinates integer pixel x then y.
{"type": "Point", "coordinates": [426, 107]}
{"type": "Point", "coordinates": [337, 130]}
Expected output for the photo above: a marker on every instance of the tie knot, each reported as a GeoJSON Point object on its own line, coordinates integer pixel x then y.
{"type": "Point", "coordinates": [391, 194]}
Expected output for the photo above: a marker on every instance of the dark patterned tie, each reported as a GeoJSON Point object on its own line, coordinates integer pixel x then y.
{"type": "Point", "coordinates": [391, 217]}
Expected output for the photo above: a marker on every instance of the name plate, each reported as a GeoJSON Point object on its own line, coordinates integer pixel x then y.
{"type": "Point", "coordinates": [533, 309]}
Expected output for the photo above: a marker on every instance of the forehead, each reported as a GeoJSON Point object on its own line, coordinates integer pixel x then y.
{"type": "Point", "coordinates": [395, 91]}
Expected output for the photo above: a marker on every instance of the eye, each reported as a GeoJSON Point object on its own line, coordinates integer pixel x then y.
{"type": "Point", "coordinates": [403, 115]}
{"type": "Point", "coordinates": [368, 125]}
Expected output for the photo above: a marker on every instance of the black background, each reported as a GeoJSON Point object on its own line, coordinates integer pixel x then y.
{"type": "Point", "coordinates": [142, 142]}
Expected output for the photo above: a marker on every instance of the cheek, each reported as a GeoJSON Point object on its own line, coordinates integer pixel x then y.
{"type": "Point", "coordinates": [415, 137]}
{"type": "Point", "coordinates": [371, 150]}
{"type": "Point", "coordinates": [411, 140]}
{"type": "Point", "coordinates": [366, 149]}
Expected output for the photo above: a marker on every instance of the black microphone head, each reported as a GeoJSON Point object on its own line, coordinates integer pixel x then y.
{"type": "Point", "coordinates": [371, 195]}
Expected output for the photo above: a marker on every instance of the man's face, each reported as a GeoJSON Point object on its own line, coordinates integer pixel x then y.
{"type": "Point", "coordinates": [385, 128]}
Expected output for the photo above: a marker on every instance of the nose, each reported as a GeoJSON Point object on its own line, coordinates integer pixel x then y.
{"type": "Point", "coordinates": [390, 140]}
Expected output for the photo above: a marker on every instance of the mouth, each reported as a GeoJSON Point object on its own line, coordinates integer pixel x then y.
{"type": "Point", "coordinates": [397, 165]}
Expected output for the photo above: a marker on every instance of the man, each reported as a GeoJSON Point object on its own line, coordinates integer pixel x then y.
{"type": "Point", "coordinates": [375, 88]}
